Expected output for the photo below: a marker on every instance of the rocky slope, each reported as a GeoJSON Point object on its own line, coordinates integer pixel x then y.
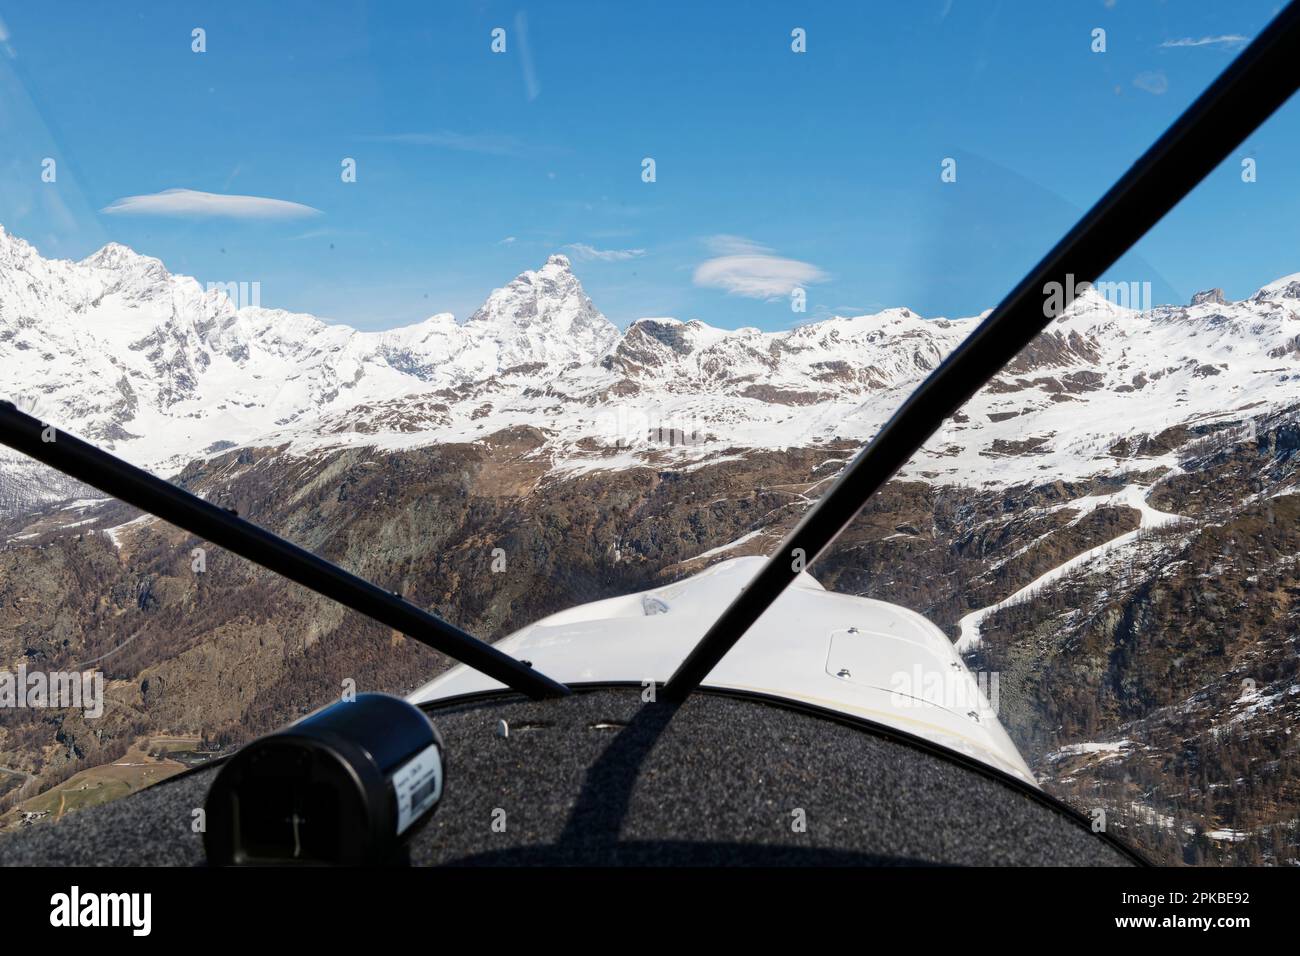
{"type": "Point", "coordinates": [1109, 526]}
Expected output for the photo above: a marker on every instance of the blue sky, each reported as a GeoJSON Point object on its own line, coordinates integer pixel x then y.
{"type": "Point", "coordinates": [772, 167]}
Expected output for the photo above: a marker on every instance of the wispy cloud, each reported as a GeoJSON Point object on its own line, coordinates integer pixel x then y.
{"type": "Point", "coordinates": [508, 241]}
{"type": "Point", "coordinates": [192, 204]}
{"type": "Point", "coordinates": [748, 268]}
{"type": "Point", "coordinates": [486, 143]}
{"type": "Point", "coordinates": [326, 233]}
{"type": "Point", "coordinates": [1154, 82]}
{"type": "Point", "coordinates": [526, 56]}
{"type": "Point", "coordinates": [604, 206]}
{"type": "Point", "coordinates": [724, 244]}
{"type": "Point", "coordinates": [583, 251]}
{"type": "Point", "coordinates": [1229, 40]}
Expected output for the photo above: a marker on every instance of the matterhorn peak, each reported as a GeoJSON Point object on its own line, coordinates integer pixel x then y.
{"type": "Point", "coordinates": [545, 315]}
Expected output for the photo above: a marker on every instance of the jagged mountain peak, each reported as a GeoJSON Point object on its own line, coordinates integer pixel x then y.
{"type": "Point", "coordinates": [545, 315]}
{"type": "Point", "coordinates": [535, 292]}
{"type": "Point", "coordinates": [14, 248]}
{"type": "Point", "coordinates": [1287, 287]}
{"type": "Point", "coordinates": [114, 255]}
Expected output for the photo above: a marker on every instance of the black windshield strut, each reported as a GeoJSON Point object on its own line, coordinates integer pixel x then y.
{"type": "Point", "coordinates": [1259, 81]}
{"type": "Point", "coordinates": [137, 487]}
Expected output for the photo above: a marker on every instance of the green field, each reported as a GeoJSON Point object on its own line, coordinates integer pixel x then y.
{"type": "Point", "coordinates": [136, 770]}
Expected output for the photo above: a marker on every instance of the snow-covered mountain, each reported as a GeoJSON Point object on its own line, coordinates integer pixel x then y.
{"type": "Point", "coordinates": [160, 370]}
{"type": "Point", "coordinates": [157, 368]}
{"type": "Point", "coordinates": [117, 348]}
{"type": "Point", "coordinates": [1109, 528]}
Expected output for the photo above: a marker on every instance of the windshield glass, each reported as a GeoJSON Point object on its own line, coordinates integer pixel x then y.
{"type": "Point", "coordinates": [511, 310]}
{"type": "Point", "coordinates": [1108, 530]}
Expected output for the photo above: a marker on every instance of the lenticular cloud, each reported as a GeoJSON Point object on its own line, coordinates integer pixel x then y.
{"type": "Point", "coordinates": [193, 204]}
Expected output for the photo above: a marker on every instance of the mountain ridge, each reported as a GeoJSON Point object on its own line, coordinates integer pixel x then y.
{"type": "Point", "coordinates": [160, 370]}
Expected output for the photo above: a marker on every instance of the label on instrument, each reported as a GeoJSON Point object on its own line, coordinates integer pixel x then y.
{"type": "Point", "coordinates": [418, 786]}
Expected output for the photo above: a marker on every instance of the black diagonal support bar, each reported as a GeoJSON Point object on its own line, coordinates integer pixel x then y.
{"type": "Point", "coordinates": [1259, 81]}
{"type": "Point", "coordinates": [137, 487]}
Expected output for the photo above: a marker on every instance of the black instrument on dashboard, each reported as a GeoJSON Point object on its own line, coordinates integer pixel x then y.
{"type": "Point", "coordinates": [347, 785]}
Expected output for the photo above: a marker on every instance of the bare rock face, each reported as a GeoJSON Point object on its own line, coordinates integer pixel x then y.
{"type": "Point", "coordinates": [1213, 296]}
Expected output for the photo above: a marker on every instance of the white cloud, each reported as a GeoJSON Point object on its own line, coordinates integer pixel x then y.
{"type": "Point", "coordinates": [1156, 83]}
{"type": "Point", "coordinates": [190, 203]}
{"type": "Point", "coordinates": [584, 251]}
{"type": "Point", "coordinates": [508, 241]}
{"type": "Point", "coordinates": [526, 56]}
{"type": "Point", "coordinates": [748, 268]}
{"type": "Point", "coordinates": [1227, 40]}
{"type": "Point", "coordinates": [319, 234]}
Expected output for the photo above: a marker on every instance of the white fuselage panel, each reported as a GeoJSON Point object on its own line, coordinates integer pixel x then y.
{"type": "Point", "coordinates": [853, 655]}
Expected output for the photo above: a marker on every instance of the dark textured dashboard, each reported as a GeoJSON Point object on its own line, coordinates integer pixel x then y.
{"type": "Point", "coordinates": [599, 778]}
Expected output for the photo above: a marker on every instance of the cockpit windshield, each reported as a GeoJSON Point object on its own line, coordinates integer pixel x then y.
{"type": "Point", "coordinates": [508, 311]}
